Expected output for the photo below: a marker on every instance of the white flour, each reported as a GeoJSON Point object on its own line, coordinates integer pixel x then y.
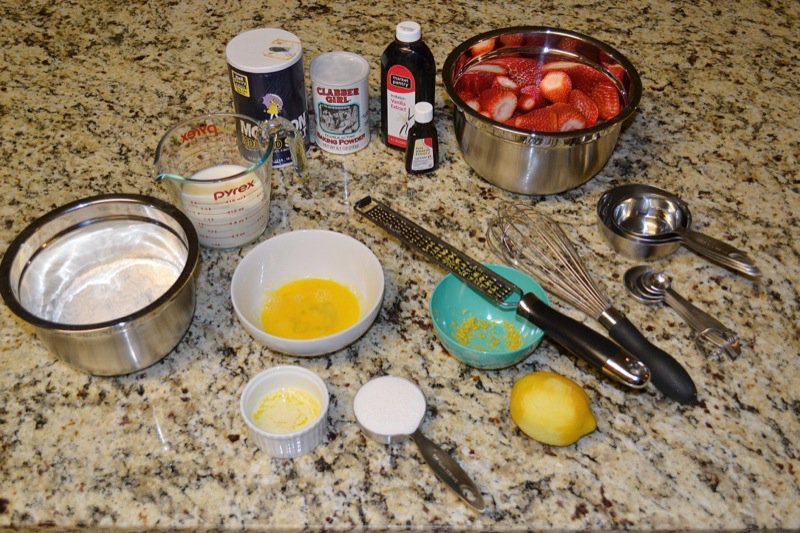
{"type": "Point", "coordinates": [389, 406]}
{"type": "Point", "coordinates": [102, 272]}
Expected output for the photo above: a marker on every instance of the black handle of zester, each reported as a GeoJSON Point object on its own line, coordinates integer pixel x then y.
{"type": "Point", "coordinates": [584, 342]}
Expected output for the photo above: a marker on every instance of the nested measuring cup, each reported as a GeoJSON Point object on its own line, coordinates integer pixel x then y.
{"type": "Point", "coordinates": [219, 167]}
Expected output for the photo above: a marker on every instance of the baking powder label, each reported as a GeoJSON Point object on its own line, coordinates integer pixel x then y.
{"type": "Point", "coordinates": [341, 102]}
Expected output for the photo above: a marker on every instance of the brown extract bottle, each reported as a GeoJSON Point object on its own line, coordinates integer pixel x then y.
{"type": "Point", "coordinates": [408, 76]}
{"type": "Point", "coordinates": [422, 149]}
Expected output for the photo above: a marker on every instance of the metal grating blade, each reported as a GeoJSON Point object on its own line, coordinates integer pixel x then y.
{"type": "Point", "coordinates": [490, 284]}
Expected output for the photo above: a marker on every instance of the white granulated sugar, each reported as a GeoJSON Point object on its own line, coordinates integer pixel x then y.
{"type": "Point", "coordinates": [389, 406]}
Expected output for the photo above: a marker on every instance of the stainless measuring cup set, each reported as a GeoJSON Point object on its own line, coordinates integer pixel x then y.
{"type": "Point", "coordinates": [645, 222]}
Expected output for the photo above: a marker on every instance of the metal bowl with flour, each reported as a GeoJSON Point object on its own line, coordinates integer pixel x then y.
{"type": "Point", "coordinates": [107, 282]}
{"type": "Point", "coordinates": [532, 162]}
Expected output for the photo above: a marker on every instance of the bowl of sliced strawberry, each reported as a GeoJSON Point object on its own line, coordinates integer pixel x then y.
{"type": "Point", "coordinates": [539, 110]}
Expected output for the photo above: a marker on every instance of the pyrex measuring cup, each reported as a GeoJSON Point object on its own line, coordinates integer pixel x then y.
{"type": "Point", "coordinates": [219, 168]}
{"type": "Point", "coordinates": [390, 409]}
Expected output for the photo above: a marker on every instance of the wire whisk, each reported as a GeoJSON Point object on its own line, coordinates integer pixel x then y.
{"type": "Point", "coordinates": [536, 245]}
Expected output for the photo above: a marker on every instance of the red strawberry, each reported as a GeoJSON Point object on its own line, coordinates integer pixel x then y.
{"type": "Point", "coordinates": [523, 70]}
{"type": "Point", "coordinates": [471, 99]}
{"type": "Point", "coordinates": [617, 70]}
{"type": "Point", "coordinates": [606, 96]}
{"type": "Point", "coordinates": [482, 47]}
{"type": "Point", "coordinates": [542, 119]}
{"type": "Point", "coordinates": [530, 97]}
{"type": "Point", "coordinates": [512, 39]}
{"type": "Point", "coordinates": [498, 103]}
{"type": "Point", "coordinates": [505, 82]}
{"type": "Point", "coordinates": [556, 85]}
{"type": "Point", "coordinates": [488, 66]}
{"type": "Point", "coordinates": [475, 81]}
{"type": "Point", "coordinates": [585, 105]}
{"type": "Point", "coordinates": [568, 117]}
{"type": "Point", "coordinates": [583, 76]}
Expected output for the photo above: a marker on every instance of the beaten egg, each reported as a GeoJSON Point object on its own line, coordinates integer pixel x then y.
{"type": "Point", "coordinates": [309, 308]}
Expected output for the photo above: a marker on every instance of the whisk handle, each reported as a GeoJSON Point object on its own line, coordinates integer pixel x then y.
{"type": "Point", "coordinates": [584, 342]}
{"type": "Point", "coordinates": [667, 374]}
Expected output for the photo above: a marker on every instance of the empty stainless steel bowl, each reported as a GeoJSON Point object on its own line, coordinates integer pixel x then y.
{"type": "Point", "coordinates": [107, 282]}
{"type": "Point", "coordinates": [527, 162]}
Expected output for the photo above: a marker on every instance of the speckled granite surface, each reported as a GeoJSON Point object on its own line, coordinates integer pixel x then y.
{"type": "Point", "coordinates": [86, 92]}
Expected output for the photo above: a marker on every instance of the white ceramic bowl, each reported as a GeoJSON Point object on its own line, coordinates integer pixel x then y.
{"type": "Point", "coordinates": [307, 254]}
{"type": "Point", "coordinates": [298, 442]}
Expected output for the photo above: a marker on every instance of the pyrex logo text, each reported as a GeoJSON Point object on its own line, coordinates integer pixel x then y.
{"type": "Point", "coordinates": [234, 191]}
{"type": "Point", "coordinates": [204, 129]}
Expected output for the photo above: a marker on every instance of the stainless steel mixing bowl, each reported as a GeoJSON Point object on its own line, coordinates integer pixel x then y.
{"type": "Point", "coordinates": [531, 162]}
{"type": "Point", "coordinates": [107, 282]}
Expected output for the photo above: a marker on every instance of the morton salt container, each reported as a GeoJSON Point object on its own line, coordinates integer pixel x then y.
{"type": "Point", "coordinates": [341, 101]}
{"type": "Point", "coordinates": [267, 79]}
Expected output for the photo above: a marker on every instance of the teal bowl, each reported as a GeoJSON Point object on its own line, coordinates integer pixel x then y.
{"type": "Point", "coordinates": [475, 330]}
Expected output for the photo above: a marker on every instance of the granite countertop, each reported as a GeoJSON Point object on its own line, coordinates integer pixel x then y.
{"type": "Point", "coordinates": [87, 90]}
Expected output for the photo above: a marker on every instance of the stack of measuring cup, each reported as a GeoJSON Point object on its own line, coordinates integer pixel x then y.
{"type": "Point", "coordinates": [219, 170]}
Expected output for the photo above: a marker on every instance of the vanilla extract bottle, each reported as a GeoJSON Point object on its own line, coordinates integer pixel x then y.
{"type": "Point", "coordinates": [408, 76]}
{"type": "Point", "coordinates": [422, 150]}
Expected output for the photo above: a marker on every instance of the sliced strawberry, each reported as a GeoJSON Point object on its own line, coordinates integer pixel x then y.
{"type": "Point", "coordinates": [505, 82]}
{"type": "Point", "coordinates": [471, 99]}
{"type": "Point", "coordinates": [585, 105]}
{"type": "Point", "coordinates": [512, 39]}
{"type": "Point", "coordinates": [482, 47]}
{"type": "Point", "coordinates": [568, 117]}
{"type": "Point", "coordinates": [523, 70]}
{"type": "Point", "coordinates": [530, 97]}
{"type": "Point", "coordinates": [475, 81]}
{"type": "Point", "coordinates": [542, 119]}
{"type": "Point", "coordinates": [617, 70]}
{"type": "Point", "coordinates": [556, 85]}
{"type": "Point", "coordinates": [488, 66]}
{"type": "Point", "coordinates": [606, 96]}
{"type": "Point", "coordinates": [583, 76]}
{"type": "Point", "coordinates": [498, 103]}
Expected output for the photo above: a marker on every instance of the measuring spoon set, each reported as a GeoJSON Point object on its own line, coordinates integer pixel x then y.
{"type": "Point", "coordinates": [644, 222]}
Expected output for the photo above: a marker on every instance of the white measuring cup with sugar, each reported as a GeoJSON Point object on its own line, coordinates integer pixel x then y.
{"type": "Point", "coordinates": [390, 409]}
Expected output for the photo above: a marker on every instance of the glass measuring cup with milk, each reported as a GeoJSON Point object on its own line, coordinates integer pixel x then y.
{"type": "Point", "coordinates": [219, 169]}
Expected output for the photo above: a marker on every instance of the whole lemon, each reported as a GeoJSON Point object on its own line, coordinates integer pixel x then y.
{"type": "Point", "coordinates": [551, 408]}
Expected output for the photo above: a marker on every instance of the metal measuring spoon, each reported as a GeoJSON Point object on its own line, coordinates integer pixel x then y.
{"type": "Point", "coordinates": [390, 409]}
{"type": "Point", "coordinates": [649, 286]}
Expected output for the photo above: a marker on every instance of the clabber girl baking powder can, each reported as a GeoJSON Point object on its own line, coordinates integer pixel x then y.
{"type": "Point", "coordinates": [340, 93]}
{"type": "Point", "coordinates": [267, 79]}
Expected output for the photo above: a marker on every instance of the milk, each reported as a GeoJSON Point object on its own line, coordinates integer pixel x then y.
{"type": "Point", "coordinates": [226, 213]}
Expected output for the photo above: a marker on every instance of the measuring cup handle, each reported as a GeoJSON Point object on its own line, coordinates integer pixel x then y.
{"type": "Point", "coordinates": [449, 471]}
{"type": "Point", "coordinates": [584, 342]}
{"type": "Point", "coordinates": [666, 373]}
{"type": "Point", "coordinates": [721, 252]}
{"type": "Point", "coordinates": [280, 127]}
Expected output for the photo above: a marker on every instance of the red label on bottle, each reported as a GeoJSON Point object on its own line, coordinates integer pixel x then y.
{"type": "Point", "coordinates": [401, 88]}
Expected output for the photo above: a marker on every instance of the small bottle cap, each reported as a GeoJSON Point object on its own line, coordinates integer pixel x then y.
{"type": "Point", "coordinates": [408, 31]}
{"type": "Point", "coordinates": [423, 112]}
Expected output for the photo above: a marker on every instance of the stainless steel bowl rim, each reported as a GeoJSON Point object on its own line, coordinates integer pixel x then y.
{"type": "Point", "coordinates": [539, 138]}
{"type": "Point", "coordinates": [192, 262]}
